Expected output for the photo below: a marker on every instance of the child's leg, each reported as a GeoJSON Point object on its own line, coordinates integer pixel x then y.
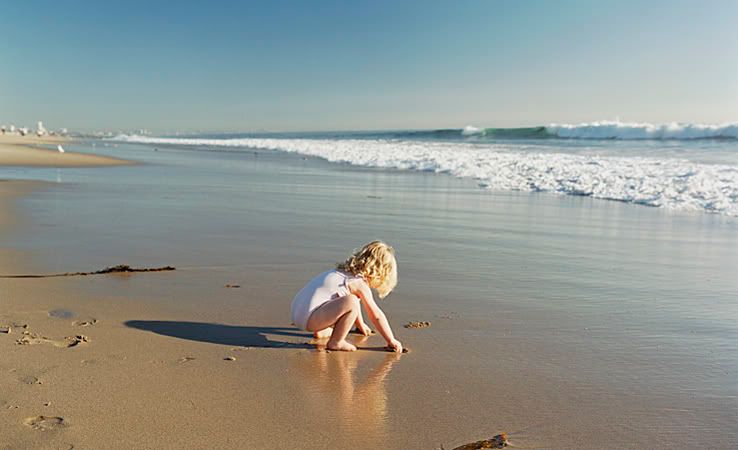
{"type": "Point", "coordinates": [341, 315]}
{"type": "Point", "coordinates": [324, 333]}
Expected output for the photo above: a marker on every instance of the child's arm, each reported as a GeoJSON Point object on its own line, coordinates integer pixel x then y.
{"type": "Point", "coordinates": [361, 325]}
{"type": "Point", "coordinates": [376, 315]}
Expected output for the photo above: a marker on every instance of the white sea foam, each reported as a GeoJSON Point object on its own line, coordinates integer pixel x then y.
{"type": "Point", "coordinates": [669, 183]}
{"type": "Point", "coordinates": [624, 130]}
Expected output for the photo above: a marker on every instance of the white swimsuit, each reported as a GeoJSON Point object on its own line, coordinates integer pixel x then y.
{"type": "Point", "coordinates": [325, 287]}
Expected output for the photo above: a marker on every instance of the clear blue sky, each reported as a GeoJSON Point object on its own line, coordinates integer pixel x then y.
{"type": "Point", "coordinates": [318, 65]}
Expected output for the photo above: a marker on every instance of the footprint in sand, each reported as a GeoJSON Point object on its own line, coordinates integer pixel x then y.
{"type": "Point", "coordinates": [84, 323]}
{"type": "Point", "coordinates": [73, 341]}
{"type": "Point", "coordinates": [8, 329]}
{"type": "Point", "coordinates": [30, 379]}
{"type": "Point", "coordinates": [30, 338]}
{"type": "Point", "coordinates": [45, 423]}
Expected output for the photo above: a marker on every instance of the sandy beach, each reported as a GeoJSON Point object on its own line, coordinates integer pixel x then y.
{"type": "Point", "coordinates": [28, 151]}
{"type": "Point", "coordinates": [79, 373]}
{"type": "Point", "coordinates": [521, 312]}
{"type": "Point", "coordinates": [181, 184]}
{"type": "Point", "coordinates": [558, 183]}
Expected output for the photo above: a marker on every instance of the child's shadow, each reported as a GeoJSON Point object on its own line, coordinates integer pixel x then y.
{"type": "Point", "coordinates": [223, 334]}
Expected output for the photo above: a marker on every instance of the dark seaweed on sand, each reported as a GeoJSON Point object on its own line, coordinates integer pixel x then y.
{"type": "Point", "coordinates": [121, 268]}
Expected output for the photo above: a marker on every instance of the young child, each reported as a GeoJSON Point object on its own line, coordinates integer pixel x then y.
{"type": "Point", "coordinates": [330, 304]}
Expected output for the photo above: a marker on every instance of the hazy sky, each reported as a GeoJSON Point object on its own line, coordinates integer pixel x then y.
{"type": "Point", "coordinates": [318, 65]}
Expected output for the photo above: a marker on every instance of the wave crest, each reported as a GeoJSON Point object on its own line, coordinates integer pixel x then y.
{"type": "Point", "coordinates": [625, 130]}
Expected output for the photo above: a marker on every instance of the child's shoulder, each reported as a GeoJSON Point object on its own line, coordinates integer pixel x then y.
{"type": "Point", "coordinates": [348, 275]}
{"type": "Point", "coordinates": [355, 282]}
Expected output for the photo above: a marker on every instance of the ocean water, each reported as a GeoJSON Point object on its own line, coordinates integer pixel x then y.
{"type": "Point", "coordinates": [681, 167]}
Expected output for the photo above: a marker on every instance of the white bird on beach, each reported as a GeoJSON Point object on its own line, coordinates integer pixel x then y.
{"type": "Point", "coordinates": [60, 148]}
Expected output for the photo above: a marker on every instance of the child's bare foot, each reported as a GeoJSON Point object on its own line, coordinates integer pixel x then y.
{"type": "Point", "coordinates": [341, 345]}
{"type": "Point", "coordinates": [322, 334]}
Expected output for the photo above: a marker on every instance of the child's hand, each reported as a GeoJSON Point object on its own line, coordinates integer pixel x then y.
{"type": "Point", "coordinates": [396, 345]}
{"type": "Point", "coordinates": [364, 329]}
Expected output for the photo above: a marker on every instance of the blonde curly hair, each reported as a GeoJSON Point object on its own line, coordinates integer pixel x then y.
{"type": "Point", "coordinates": [376, 263]}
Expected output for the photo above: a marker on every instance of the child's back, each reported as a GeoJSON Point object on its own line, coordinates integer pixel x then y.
{"type": "Point", "coordinates": [327, 286]}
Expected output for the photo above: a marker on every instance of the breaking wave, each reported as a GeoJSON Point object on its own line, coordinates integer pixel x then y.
{"type": "Point", "coordinates": [661, 182]}
{"type": "Point", "coordinates": [621, 130]}
{"type": "Point", "coordinates": [609, 130]}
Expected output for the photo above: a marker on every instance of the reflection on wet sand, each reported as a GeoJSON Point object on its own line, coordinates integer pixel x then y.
{"type": "Point", "coordinates": [343, 399]}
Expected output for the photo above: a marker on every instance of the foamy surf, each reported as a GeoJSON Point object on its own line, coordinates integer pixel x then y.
{"type": "Point", "coordinates": [676, 184]}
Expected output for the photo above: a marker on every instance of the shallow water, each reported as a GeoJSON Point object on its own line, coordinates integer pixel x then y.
{"type": "Point", "coordinates": [570, 320]}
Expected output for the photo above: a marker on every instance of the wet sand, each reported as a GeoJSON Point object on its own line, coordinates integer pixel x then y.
{"type": "Point", "coordinates": [550, 318]}
{"type": "Point", "coordinates": [27, 151]}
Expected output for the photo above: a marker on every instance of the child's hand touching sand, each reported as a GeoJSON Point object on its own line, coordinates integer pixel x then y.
{"type": "Point", "coordinates": [396, 345]}
{"type": "Point", "coordinates": [364, 329]}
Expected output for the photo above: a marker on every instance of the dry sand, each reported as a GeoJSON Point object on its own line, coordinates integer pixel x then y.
{"type": "Point", "coordinates": [26, 151]}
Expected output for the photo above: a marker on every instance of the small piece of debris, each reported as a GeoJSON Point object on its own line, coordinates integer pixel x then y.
{"type": "Point", "coordinates": [229, 358]}
{"type": "Point", "coordinates": [185, 359]}
{"type": "Point", "coordinates": [6, 330]}
{"type": "Point", "coordinates": [233, 285]}
{"type": "Point", "coordinates": [424, 324]}
{"type": "Point", "coordinates": [392, 350]}
{"type": "Point", "coordinates": [499, 441]}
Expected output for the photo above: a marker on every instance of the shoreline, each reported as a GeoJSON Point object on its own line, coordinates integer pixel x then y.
{"type": "Point", "coordinates": [25, 151]}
